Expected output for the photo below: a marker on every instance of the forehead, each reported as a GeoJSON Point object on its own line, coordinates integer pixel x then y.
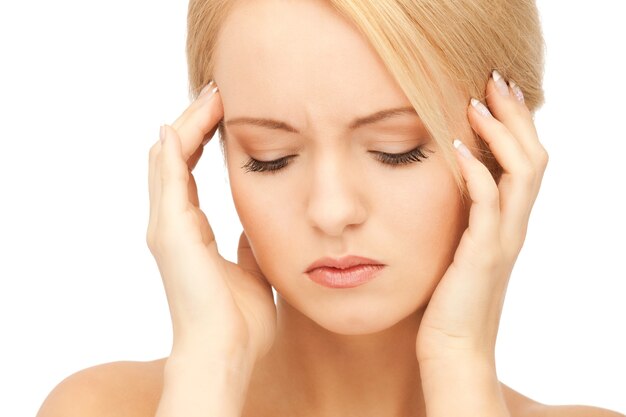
{"type": "Point", "coordinates": [301, 57]}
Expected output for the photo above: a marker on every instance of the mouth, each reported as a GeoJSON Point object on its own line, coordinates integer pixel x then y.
{"type": "Point", "coordinates": [345, 278]}
{"type": "Point", "coordinates": [342, 263]}
{"type": "Point", "coordinates": [347, 272]}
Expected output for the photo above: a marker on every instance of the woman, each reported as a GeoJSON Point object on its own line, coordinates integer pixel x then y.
{"type": "Point", "coordinates": [337, 122]}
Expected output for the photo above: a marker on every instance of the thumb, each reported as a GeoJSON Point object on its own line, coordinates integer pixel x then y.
{"type": "Point", "coordinates": [246, 259]}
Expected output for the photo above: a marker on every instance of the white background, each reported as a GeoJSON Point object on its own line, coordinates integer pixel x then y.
{"type": "Point", "coordinates": [84, 87]}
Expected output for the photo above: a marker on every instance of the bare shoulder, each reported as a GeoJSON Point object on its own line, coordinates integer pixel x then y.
{"type": "Point", "coordinates": [577, 411]}
{"type": "Point", "coordinates": [523, 406]}
{"type": "Point", "coordinates": [121, 389]}
{"type": "Point", "coordinates": [133, 389]}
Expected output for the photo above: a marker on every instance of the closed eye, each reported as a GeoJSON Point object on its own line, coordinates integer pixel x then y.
{"type": "Point", "coordinates": [392, 159]}
{"type": "Point", "coordinates": [414, 155]}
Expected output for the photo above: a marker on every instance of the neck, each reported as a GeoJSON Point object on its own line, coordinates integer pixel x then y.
{"type": "Point", "coordinates": [311, 371]}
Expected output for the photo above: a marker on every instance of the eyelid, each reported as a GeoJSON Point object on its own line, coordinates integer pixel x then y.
{"type": "Point", "coordinates": [416, 154]}
{"type": "Point", "coordinates": [396, 153]}
{"type": "Point", "coordinates": [404, 158]}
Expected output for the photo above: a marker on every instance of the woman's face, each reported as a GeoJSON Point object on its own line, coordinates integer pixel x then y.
{"type": "Point", "coordinates": [300, 64]}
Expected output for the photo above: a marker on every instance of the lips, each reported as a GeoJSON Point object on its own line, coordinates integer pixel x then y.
{"type": "Point", "coordinates": [342, 263]}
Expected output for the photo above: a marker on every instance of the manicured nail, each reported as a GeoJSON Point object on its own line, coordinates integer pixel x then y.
{"type": "Point", "coordinates": [206, 88]}
{"type": "Point", "coordinates": [517, 91]}
{"type": "Point", "coordinates": [209, 94]}
{"type": "Point", "coordinates": [462, 149]}
{"type": "Point", "coordinates": [503, 89]}
{"type": "Point", "coordinates": [482, 109]}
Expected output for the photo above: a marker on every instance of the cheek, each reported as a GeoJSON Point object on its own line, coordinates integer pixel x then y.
{"type": "Point", "coordinates": [264, 204]}
{"type": "Point", "coordinates": [261, 214]}
{"type": "Point", "coordinates": [421, 206]}
{"type": "Point", "coordinates": [425, 217]}
{"type": "Point", "coordinates": [266, 218]}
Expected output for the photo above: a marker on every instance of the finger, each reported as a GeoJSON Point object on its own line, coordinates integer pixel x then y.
{"type": "Point", "coordinates": [518, 191]}
{"type": "Point", "coordinates": [209, 135]}
{"type": "Point", "coordinates": [194, 126]}
{"type": "Point", "coordinates": [194, 104]}
{"type": "Point", "coordinates": [200, 119]}
{"type": "Point", "coordinates": [192, 188]}
{"type": "Point", "coordinates": [246, 259]}
{"type": "Point", "coordinates": [194, 158]}
{"type": "Point", "coordinates": [511, 110]}
{"type": "Point", "coordinates": [504, 146]}
{"type": "Point", "coordinates": [192, 191]}
{"type": "Point", "coordinates": [518, 186]}
{"type": "Point", "coordinates": [154, 190]}
{"type": "Point", "coordinates": [174, 175]}
{"type": "Point", "coordinates": [513, 113]}
{"type": "Point", "coordinates": [484, 215]}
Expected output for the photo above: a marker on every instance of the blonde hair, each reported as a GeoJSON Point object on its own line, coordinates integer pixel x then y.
{"type": "Point", "coordinates": [440, 53]}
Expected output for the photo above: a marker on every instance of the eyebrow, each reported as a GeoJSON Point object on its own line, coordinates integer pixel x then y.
{"type": "Point", "coordinates": [358, 122]}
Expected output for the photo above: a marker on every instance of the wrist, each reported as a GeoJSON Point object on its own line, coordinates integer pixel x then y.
{"type": "Point", "coordinates": [198, 343]}
{"type": "Point", "coordinates": [471, 381]}
{"type": "Point", "coordinates": [234, 358]}
{"type": "Point", "coordinates": [204, 384]}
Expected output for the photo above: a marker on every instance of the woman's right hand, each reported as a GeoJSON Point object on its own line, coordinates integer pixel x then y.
{"type": "Point", "coordinates": [216, 305]}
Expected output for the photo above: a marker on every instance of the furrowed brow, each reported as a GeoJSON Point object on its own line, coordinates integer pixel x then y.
{"type": "Point", "coordinates": [356, 123]}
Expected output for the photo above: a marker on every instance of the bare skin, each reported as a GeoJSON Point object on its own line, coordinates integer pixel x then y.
{"type": "Point", "coordinates": [132, 389]}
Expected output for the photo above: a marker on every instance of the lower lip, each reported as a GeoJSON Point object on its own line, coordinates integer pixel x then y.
{"type": "Point", "coordinates": [344, 278]}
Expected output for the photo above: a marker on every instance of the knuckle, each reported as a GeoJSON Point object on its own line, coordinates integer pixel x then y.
{"type": "Point", "coordinates": [543, 157]}
{"type": "Point", "coordinates": [150, 239]}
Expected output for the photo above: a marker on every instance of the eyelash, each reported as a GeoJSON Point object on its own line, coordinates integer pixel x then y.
{"type": "Point", "coordinates": [392, 159]}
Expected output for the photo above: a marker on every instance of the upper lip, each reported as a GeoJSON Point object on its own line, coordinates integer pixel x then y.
{"type": "Point", "coordinates": [343, 263]}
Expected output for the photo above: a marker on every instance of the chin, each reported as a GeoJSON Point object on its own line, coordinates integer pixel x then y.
{"type": "Point", "coordinates": [358, 325]}
{"type": "Point", "coordinates": [366, 314]}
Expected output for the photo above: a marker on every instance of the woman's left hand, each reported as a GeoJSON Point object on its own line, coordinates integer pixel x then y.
{"type": "Point", "coordinates": [462, 318]}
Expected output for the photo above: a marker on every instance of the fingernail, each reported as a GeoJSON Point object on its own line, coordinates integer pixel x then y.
{"type": "Point", "coordinates": [517, 91]}
{"type": "Point", "coordinates": [482, 109]}
{"type": "Point", "coordinates": [213, 92]}
{"type": "Point", "coordinates": [462, 149]}
{"type": "Point", "coordinates": [206, 88]}
{"type": "Point", "coordinates": [210, 94]}
{"type": "Point", "coordinates": [162, 133]}
{"type": "Point", "coordinates": [503, 89]}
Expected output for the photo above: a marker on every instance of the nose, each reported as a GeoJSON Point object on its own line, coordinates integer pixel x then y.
{"type": "Point", "coordinates": [336, 197]}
